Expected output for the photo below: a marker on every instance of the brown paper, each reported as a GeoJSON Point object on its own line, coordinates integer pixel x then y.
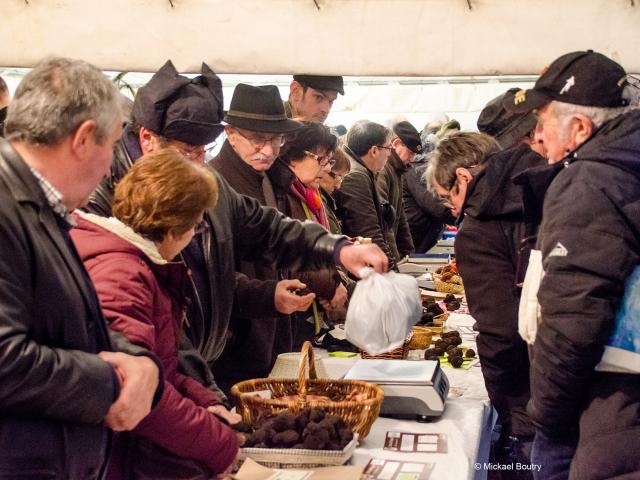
{"type": "Point", "coordinates": [251, 470]}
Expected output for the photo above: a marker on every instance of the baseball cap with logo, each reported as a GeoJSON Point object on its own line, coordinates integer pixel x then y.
{"type": "Point", "coordinates": [581, 78]}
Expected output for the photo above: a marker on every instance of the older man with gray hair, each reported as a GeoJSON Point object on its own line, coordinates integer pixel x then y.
{"type": "Point", "coordinates": [62, 382]}
{"type": "Point", "coordinates": [585, 388]}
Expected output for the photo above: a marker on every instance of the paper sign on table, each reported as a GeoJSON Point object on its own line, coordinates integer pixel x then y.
{"type": "Point", "coordinates": [380, 469]}
{"type": "Point", "coordinates": [416, 442]}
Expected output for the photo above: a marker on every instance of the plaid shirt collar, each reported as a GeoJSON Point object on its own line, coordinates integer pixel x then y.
{"type": "Point", "coordinates": [54, 198]}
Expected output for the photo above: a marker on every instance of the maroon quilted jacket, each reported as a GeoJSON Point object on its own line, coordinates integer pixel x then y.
{"type": "Point", "coordinates": [143, 297]}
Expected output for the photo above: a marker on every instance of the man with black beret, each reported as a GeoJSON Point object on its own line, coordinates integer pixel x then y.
{"type": "Point", "coordinates": [178, 112]}
{"type": "Point", "coordinates": [311, 97]}
{"type": "Point", "coordinates": [406, 144]}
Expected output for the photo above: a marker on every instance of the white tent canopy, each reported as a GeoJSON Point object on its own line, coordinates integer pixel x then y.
{"type": "Point", "coordinates": [348, 37]}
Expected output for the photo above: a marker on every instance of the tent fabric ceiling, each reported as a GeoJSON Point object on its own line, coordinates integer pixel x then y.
{"type": "Point", "coordinates": [347, 37]}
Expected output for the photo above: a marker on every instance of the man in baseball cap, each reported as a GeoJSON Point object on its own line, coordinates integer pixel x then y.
{"type": "Point", "coordinates": [311, 97]}
{"type": "Point", "coordinates": [405, 145]}
{"type": "Point", "coordinates": [584, 389]}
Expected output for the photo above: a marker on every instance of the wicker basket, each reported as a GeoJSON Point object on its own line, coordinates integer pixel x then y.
{"type": "Point", "coordinates": [421, 339]}
{"type": "Point", "coordinates": [359, 414]}
{"type": "Point", "coordinates": [445, 287]}
{"type": "Point", "coordinates": [399, 353]}
{"type": "Point", "coordinates": [440, 320]}
{"type": "Point", "coordinates": [300, 458]}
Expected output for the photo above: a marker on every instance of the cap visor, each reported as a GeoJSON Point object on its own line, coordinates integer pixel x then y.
{"type": "Point", "coordinates": [533, 99]}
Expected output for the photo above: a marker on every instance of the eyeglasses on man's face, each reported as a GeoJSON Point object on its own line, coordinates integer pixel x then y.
{"type": "Point", "coordinates": [323, 160]}
{"type": "Point", "coordinates": [260, 141]}
{"type": "Point", "coordinates": [386, 147]}
{"type": "Point", "coordinates": [336, 177]}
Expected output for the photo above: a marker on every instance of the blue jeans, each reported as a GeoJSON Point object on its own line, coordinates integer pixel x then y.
{"type": "Point", "coordinates": [554, 456]}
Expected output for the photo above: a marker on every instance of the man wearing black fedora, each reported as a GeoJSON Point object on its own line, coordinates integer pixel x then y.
{"type": "Point", "coordinates": [177, 112]}
{"type": "Point", "coordinates": [311, 97]}
{"type": "Point", "coordinates": [261, 329]}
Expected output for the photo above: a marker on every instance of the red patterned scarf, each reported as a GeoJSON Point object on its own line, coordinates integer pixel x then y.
{"type": "Point", "coordinates": [312, 199]}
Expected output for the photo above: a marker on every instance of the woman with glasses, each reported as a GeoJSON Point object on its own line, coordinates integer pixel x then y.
{"type": "Point", "coordinates": [474, 178]}
{"type": "Point", "coordinates": [309, 154]}
{"type": "Point", "coordinates": [143, 290]}
{"type": "Point", "coordinates": [329, 183]}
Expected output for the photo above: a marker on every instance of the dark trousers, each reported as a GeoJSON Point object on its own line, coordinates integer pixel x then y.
{"type": "Point", "coordinates": [554, 455]}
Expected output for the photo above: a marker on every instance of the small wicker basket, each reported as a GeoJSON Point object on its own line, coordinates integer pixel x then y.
{"type": "Point", "coordinates": [399, 353]}
{"type": "Point", "coordinates": [421, 339]}
{"type": "Point", "coordinates": [359, 414]}
{"type": "Point", "coordinates": [441, 319]}
{"type": "Point", "coordinates": [446, 287]}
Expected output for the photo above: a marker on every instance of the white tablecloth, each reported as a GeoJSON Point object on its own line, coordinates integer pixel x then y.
{"type": "Point", "coordinates": [468, 420]}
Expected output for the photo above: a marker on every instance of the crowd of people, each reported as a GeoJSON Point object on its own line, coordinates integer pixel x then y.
{"type": "Point", "coordinates": [142, 278]}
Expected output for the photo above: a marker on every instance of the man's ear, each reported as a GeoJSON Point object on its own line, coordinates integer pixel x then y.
{"type": "Point", "coordinates": [581, 129]}
{"type": "Point", "coordinates": [148, 141]}
{"type": "Point", "coordinates": [396, 142]}
{"type": "Point", "coordinates": [83, 138]}
{"type": "Point", "coordinates": [463, 175]}
{"type": "Point", "coordinates": [295, 91]}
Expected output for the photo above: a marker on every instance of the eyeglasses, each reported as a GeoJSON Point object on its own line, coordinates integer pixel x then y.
{"type": "Point", "coordinates": [323, 160]}
{"type": "Point", "coordinates": [336, 177]}
{"type": "Point", "coordinates": [260, 142]}
{"type": "Point", "coordinates": [445, 199]}
{"type": "Point", "coordinates": [201, 227]}
{"type": "Point", "coordinates": [386, 147]}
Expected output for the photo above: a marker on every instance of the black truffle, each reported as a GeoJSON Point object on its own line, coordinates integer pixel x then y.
{"type": "Point", "coordinates": [286, 439]}
{"type": "Point", "coordinates": [316, 415]}
{"type": "Point", "coordinates": [430, 354]}
{"type": "Point", "coordinates": [453, 306]}
{"type": "Point", "coordinates": [455, 362]}
{"type": "Point", "coordinates": [450, 297]}
{"type": "Point", "coordinates": [426, 318]}
{"type": "Point", "coordinates": [454, 352]}
{"type": "Point", "coordinates": [452, 333]}
{"type": "Point", "coordinates": [470, 353]}
{"type": "Point", "coordinates": [439, 351]}
{"type": "Point", "coordinates": [284, 421]}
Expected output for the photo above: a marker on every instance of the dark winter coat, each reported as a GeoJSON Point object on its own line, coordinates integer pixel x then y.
{"type": "Point", "coordinates": [487, 251]}
{"type": "Point", "coordinates": [360, 208]}
{"type": "Point", "coordinates": [143, 296]}
{"type": "Point", "coordinates": [240, 230]}
{"type": "Point", "coordinates": [425, 214]}
{"type": "Point", "coordinates": [590, 243]}
{"type": "Point", "coordinates": [389, 183]}
{"type": "Point", "coordinates": [55, 390]}
{"type": "Point", "coordinates": [257, 332]}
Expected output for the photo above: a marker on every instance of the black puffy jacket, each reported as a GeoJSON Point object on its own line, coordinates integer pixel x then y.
{"type": "Point", "coordinates": [487, 252]}
{"type": "Point", "coordinates": [590, 243]}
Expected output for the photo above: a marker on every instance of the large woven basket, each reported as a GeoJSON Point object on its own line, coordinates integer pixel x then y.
{"type": "Point", "coordinates": [359, 414]}
{"type": "Point", "coordinates": [420, 339]}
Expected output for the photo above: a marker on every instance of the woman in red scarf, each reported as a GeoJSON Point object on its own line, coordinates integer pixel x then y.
{"type": "Point", "coordinates": [309, 154]}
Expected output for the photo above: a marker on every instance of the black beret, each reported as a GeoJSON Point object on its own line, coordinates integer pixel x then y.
{"type": "Point", "coordinates": [409, 136]}
{"type": "Point", "coordinates": [320, 82]}
{"type": "Point", "coordinates": [181, 108]}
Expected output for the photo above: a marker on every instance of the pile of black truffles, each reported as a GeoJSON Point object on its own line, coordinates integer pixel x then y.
{"type": "Point", "coordinates": [449, 345]}
{"type": "Point", "coordinates": [451, 302]}
{"type": "Point", "coordinates": [430, 309]}
{"type": "Point", "coordinates": [311, 428]}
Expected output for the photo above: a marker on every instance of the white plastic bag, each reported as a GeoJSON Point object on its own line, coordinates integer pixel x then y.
{"type": "Point", "coordinates": [529, 308]}
{"type": "Point", "coordinates": [382, 310]}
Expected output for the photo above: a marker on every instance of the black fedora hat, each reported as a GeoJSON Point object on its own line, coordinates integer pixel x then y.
{"type": "Point", "coordinates": [259, 109]}
{"type": "Point", "coordinates": [181, 108]}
